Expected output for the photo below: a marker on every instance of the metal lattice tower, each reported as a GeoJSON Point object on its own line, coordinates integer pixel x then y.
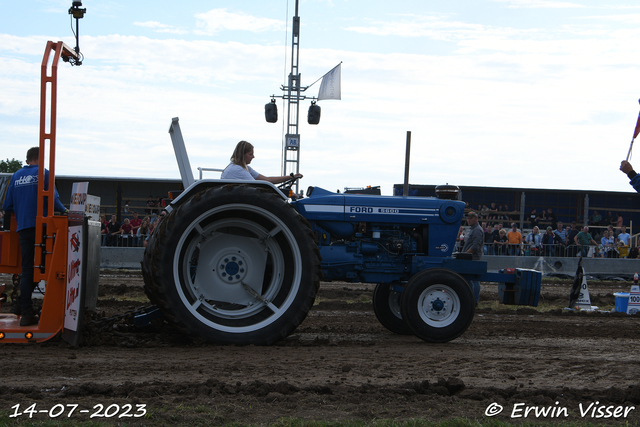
{"type": "Point", "coordinates": [293, 96]}
{"type": "Point", "coordinates": [291, 141]}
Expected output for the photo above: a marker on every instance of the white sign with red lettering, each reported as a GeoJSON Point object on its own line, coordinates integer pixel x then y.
{"type": "Point", "coordinates": [78, 196]}
{"type": "Point", "coordinates": [74, 277]}
{"type": "Point", "coordinates": [92, 207]}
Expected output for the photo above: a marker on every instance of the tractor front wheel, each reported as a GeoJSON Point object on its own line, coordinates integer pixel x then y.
{"type": "Point", "coordinates": [437, 305]}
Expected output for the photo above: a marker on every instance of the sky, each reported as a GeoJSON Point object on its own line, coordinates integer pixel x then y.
{"type": "Point", "coordinates": [508, 93]}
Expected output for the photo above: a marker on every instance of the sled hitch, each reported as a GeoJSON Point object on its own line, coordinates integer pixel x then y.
{"type": "Point", "coordinates": [144, 319]}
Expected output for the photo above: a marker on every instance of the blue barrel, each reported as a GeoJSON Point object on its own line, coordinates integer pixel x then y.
{"type": "Point", "coordinates": [525, 290]}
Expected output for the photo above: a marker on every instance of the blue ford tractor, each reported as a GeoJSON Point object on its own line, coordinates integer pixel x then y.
{"type": "Point", "coordinates": [238, 262]}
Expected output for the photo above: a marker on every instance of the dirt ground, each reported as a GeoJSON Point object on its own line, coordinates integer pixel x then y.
{"type": "Point", "coordinates": [340, 364]}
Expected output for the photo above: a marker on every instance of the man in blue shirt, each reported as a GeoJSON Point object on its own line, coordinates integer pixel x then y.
{"type": "Point", "coordinates": [22, 201]}
{"type": "Point", "coordinates": [624, 237]}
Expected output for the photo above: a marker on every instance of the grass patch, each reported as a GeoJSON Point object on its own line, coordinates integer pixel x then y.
{"type": "Point", "coordinates": [141, 298]}
{"type": "Point", "coordinates": [542, 307]}
{"type": "Point", "coordinates": [458, 422]}
{"type": "Point", "coordinates": [496, 305]}
{"type": "Point", "coordinates": [287, 422]}
{"type": "Point", "coordinates": [360, 299]}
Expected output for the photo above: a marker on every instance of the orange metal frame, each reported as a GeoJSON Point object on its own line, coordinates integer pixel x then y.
{"type": "Point", "coordinates": [50, 262]}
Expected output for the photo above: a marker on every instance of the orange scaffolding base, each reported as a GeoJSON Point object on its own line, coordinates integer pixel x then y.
{"type": "Point", "coordinates": [52, 314]}
{"type": "Point", "coordinates": [50, 263]}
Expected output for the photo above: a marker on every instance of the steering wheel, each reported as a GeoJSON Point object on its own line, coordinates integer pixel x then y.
{"type": "Point", "coordinates": [285, 186]}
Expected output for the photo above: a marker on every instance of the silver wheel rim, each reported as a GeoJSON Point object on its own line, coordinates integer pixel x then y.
{"type": "Point", "coordinates": [219, 268]}
{"type": "Point", "coordinates": [439, 306]}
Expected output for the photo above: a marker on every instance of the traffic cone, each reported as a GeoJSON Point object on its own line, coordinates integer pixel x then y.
{"type": "Point", "coordinates": [584, 300]}
{"type": "Point", "coordinates": [579, 298]}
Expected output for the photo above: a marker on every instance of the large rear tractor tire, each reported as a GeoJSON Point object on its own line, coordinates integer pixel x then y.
{"type": "Point", "coordinates": [437, 305]}
{"type": "Point", "coordinates": [386, 306]}
{"type": "Point", "coordinates": [234, 264]}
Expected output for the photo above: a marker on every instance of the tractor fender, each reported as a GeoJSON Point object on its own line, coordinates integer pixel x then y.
{"type": "Point", "coordinates": [204, 184]}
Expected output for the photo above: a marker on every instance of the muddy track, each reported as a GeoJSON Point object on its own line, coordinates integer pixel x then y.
{"type": "Point", "coordinates": [342, 364]}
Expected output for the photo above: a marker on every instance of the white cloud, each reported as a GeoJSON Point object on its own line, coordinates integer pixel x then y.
{"type": "Point", "coordinates": [631, 18]}
{"type": "Point", "coordinates": [504, 107]}
{"type": "Point", "coordinates": [470, 37]}
{"type": "Point", "coordinates": [436, 28]}
{"type": "Point", "coordinates": [160, 28]}
{"type": "Point", "coordinates": [217, 20]}
{"type": "Point", "coordinates": [200, 62]}
{"type": "Point", "coordinates": [536, 4]}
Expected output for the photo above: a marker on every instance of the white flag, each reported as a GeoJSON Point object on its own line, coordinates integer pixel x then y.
{"type": "Point", "coordinates": [330, 86]}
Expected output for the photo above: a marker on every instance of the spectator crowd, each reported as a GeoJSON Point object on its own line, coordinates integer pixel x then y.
{"type": "Point", "coordinates": [133, 231]}
{"type": "Point", "coordinates": [603, 237]}
{"type": "Point", "coordinates": [547, 236]}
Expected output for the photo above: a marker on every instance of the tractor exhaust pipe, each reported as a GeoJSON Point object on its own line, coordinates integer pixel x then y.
{"type": "Point", "coordinates": [405, 188]}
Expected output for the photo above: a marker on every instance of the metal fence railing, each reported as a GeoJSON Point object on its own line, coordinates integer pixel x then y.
{"type": "Point", "coordinates": [556, 250]}
{"type": "Point", "coordinates": [124, 240]}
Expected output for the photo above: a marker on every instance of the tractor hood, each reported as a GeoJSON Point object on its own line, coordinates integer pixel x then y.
{"type": "Point", "coordinates": [323, 205]}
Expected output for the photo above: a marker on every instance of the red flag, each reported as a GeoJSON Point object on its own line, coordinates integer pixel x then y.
{"type": "Point", "coordinates": [635, 134]}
